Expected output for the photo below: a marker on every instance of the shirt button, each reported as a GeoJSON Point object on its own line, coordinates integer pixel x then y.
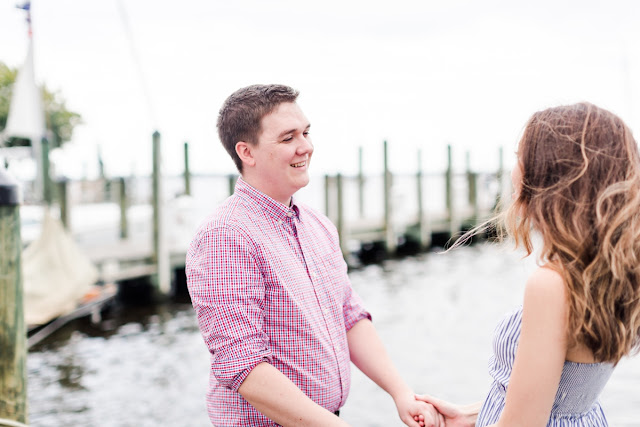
{"type": "Point", "coordinates": [325, 311]}
{"type": "Point", "coordinates": [280, 222]}
{"type": "Point", "coordinates": [289, 214]}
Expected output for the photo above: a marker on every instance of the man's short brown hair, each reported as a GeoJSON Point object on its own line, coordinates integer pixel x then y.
{"type": "Point", "coordinates": [241, 114]}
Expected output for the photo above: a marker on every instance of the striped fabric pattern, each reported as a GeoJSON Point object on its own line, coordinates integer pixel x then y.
{"type": "Point", "coordinates": [576, 403]}
{"type": "Point", "coordinates": [269, 284]}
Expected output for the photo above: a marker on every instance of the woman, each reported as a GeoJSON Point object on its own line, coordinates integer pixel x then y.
{"type": "Point", "coordinates": [577, 185]}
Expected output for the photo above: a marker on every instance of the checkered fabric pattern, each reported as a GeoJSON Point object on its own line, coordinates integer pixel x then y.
{"type": "Point", "coordinates": [269, 284]}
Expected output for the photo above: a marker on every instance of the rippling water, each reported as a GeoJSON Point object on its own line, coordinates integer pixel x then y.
{"type": "Point", "coordinates": [435, 313]}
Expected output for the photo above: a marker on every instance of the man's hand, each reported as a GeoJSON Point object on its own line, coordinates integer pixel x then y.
{"type": "Point", "coordinates": [369, 355]}
{"type": "Point", "coordinates": [454, 415]}
{"type": "Point", "coordinates": [415, 413]}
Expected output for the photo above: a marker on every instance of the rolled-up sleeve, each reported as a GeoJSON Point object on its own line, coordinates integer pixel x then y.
{"type": "Point", "coordinates": [353, 308]}
{"type": "Point", "coordinates": [227, 291]}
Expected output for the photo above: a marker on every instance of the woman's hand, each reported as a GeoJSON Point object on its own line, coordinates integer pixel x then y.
{"type": "Point", "coordinates": [454, 415]}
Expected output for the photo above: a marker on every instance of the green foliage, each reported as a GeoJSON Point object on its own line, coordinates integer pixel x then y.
{"type": "Point", "coordinates": [59, 119]}
{"type": "Point", "coordinates": [7, 77]}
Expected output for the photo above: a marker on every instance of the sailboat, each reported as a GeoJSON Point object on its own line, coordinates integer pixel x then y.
{"type": "Point", "coordinates": [58, 278]}
{"type": "Point", "coordinates": [26, 118]}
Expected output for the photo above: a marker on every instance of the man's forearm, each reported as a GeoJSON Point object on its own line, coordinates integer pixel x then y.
{"type": "Point", "coordinates": [279, 399]}
{"type": "Point", "coordinates": [370, 356]}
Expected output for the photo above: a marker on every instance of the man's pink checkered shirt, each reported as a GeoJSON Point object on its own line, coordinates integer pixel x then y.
{"type": "Point", "coordinates": [269, 284]}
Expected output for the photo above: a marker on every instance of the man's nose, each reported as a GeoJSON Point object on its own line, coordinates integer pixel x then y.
{"type": "Point", "coordinates": [305, 145]}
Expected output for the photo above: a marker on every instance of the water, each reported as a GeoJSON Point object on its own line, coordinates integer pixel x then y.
{"type": "Point", "coordinates": [435, 313]}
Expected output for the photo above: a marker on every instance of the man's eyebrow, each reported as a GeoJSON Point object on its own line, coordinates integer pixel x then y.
{"type": "Point", "coordinates": [286, 132]}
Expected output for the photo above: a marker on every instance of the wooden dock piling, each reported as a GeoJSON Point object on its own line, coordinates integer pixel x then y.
{"type": "Point", "coordinates": [124, 224]}
{"type": "Point", "coordinates": [155, 195]}
{"type": "Point", "coordinates": [231, 182]}
{"type": "Point", "coordinates": [13, 333]}
{"type": "Point", "coordinates": [340, 223]}
{"type": "Point", "coordinates": [500, 177]}
{"type": "Point", "coordinates": [47, 191]}
{"type": "Point", "coordinates": [187, 172]}
{"type": "Point", "coordinates": [451, 210]}
{"type": "Point", "coordinates": [424, 229]}
{"type": "Point", "coordinates": [63, 200]}
{"type": "Point", "coordinates": [472, 188]}
{"type": "Point", "coordinates": [160, 255]}
{"type": "Point", "coordinates": [389, 233]}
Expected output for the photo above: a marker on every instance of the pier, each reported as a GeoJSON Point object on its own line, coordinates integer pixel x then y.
{"type": "Point", "coordinates": [147, 222]}
{"type": "Point", "coordinates": [135, 231]}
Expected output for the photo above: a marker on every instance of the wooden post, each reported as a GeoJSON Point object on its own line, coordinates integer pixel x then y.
{"type": "Point", "coordinates": [472, 187]}
{"type": "Point", "coordinates": [187, 172]}
{"type": "Point", "coordinates": [449, 194]}
{"type": "Point", "coordinates": [340, 225]}
{"type": "Point", "coordinates": [390, 238]}
{"type": "Point", "coordinates": [160, 253]}
{"type": "Point", "coordinates": [155, 195]}
{"type": "Point", "coordinates": [13, 333]}
{"type": "Point", "coordinates": [101, 172]}
{"type": "Point", "coordinates": [360, 185]}
{"type": "Point", "coordinates": [106, 184]}
{"type": "Point", "coordinates": [124, 224]}
{"type": "Point", "coordinates": [232, 183]}
{"type": "Point", "coordinates": [63, 200]}
{"type": "Point", "coordinates": [423, 224]}
{"type": "Point", "coordinates": [47, 195]}
{"type": "Point", "coordinates": [448, 185]}
{"type": "Point", "coordinates": [500, 178]}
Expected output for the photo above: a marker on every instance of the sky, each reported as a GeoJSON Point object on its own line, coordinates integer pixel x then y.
{"type": "Point", "coordinates": [418, 74]}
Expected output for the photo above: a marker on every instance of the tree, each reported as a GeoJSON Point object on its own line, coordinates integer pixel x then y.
{"type": "Point", "coordinates": [60, 121]}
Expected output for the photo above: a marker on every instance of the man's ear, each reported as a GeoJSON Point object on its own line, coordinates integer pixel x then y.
{"type": "Point", "coordinates": [243, 150]}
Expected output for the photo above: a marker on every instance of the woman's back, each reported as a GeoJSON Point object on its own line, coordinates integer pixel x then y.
{"type": "Point", "coordinates": [576, 402]}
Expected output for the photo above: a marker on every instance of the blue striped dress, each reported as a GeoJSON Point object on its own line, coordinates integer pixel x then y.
{"type": "Point", "coordinates": [576, 402]}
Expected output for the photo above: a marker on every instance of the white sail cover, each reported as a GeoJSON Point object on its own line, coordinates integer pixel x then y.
{"type": "Point", "coordinates": [26, 118]}
{"type": "Point", "coordinates": [26, 114]}
{"type": "Point", "coordinates": [56, 274]}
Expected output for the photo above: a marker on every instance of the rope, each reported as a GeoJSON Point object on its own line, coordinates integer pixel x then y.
{"type": "Point", "coordinates": [11, 423]}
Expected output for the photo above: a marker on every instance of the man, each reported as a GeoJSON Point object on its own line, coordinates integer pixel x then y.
{"type": "Point", "coordinates": [270, 287]}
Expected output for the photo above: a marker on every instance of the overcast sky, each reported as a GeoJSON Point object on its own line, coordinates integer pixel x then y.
{"type": "Point", "coordinates": [420, 74]}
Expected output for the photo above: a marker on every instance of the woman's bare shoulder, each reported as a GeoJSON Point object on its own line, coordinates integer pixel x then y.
{"type": "Point", "coordinates": [546, 280]}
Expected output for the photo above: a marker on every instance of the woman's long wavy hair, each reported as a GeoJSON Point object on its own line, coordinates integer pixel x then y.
{"type": "Point", "coordinates": [581, 191]}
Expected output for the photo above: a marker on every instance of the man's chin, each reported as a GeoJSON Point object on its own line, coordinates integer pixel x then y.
{"type": "Point", "coordinates": [301, 183]}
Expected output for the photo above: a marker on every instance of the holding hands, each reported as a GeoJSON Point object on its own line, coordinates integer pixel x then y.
{"type": "Point", "coordinates": [416, 413]}
{"type": "Point", "coordinates": [452, 415]}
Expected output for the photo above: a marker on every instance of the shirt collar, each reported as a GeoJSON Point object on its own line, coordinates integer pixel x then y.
{"type": "Point", "coordinates": [264, 202]}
